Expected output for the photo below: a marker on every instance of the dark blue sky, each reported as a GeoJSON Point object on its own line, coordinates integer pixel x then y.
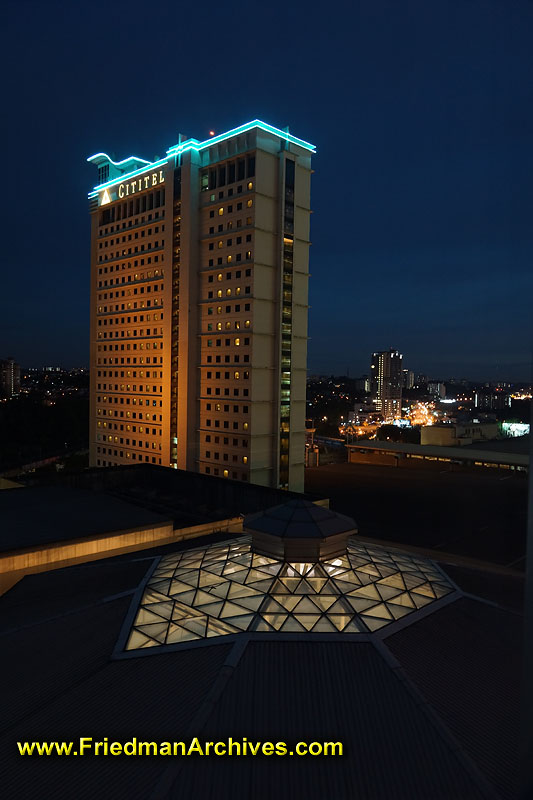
{"type": "Point", "coordinates": [422, 113]}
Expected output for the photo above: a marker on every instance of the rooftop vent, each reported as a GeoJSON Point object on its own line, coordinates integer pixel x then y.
{"type": "Point", "coordinates": [299, 531]}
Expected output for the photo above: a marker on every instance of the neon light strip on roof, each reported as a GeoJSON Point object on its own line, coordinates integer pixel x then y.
{"type": "Point", "coordinates": [117, 163]}
{"type": "Point", "coordinates": [194, 144]}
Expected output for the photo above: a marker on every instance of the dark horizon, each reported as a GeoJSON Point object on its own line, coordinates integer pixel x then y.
{"type": "Point", "coordinates": [422, 117]}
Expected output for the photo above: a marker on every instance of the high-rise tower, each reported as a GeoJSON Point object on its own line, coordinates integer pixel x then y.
{"type": "Point", "coordinates": [199, 283]}
{"type": "Point", "coordinates": [386, 383]}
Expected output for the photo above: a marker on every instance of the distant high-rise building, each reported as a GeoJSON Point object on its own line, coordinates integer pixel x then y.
{"type": "Point", "coordinates": [437, 389]}
{"type": "Point", "coordinates": [386, 383]}
{"type": "Point", "coordinates": [362, 384]}
{"type": "Point", "coordinates": [408, 378]}
{"type": "Point", "coordinates": [9, 377]}
{"type": "Point", "coordinates": [199, 285]}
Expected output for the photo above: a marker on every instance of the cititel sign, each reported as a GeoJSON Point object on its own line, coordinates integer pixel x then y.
{"type": "Point", "coordinates": [131, 187]}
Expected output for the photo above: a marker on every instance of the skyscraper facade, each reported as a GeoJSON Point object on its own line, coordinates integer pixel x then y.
{"type": "Point", "coordinates": [9, 377]}
{"type": "Point", "coordinates": [199, 285]}
{"type": "Point", "coordinates": [386, 383]}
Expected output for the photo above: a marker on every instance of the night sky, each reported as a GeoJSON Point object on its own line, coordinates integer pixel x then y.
{"type": "Point", "coordinates": [422, 114]}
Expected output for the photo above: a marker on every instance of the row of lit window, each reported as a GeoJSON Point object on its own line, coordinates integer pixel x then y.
{"type": "Point", "coordinates": [219, 309]}
{"type": "Point", "coordinates": [154, 345]}
{"type": "Point", "coordinates": [128, 360]}
{"type": "Point", "coordinates": [128, 374]}
{"type": "Point", "coordinates": [225, 440]}
{"type": "Point", "coordinates": [129, 428]}
{"type": "Point", "coordinates": [227, 375]}
{"type": "Point", "coordinates": [227, 342]}
{"type": "Point", "coordinates": [228, 325]}
{"type": "Point", "coordinates": [225, 473]}
{"type": "Point", "coordinates": [225, 424]}
{"type": "Point", "coordinates": [133, 401]}
{"type": "Point", "coordinates": [227, 359]}
{"type": "Point", "coordinates": [115, 412]}
{"type": "Point", "coordinates": [132, 223]}
{"type": "Point", "coordinates": [225, 457]}
{"type": "Point", "coordinates": [119, 240]}
{"type": "Point", "coordinates": [228, 293]}
{"type": "Point", "coordinates": [104, 463]}
{"type": "Point", "coordinates": [134, 443]}
{"type": "Point", "coordinates": [131, 251]}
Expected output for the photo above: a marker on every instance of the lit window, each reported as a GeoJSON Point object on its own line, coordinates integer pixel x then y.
{"type": "Point", "coordinates": [219, 276]}
{"type": "Point", "coordinates": [228, 292]}
{"type": "Point", "coordinates": [250, 186]}
{"type": "Point", "coordinates": [220, 211]}
{"type": "Point", "coordinates": [229, 259]}
{"type": "Point", "coordinates": [237, 342]}
{"type": "Point", "coordinates": [220, 244]}
{"type": "Point", "coordinates": [249, 203]}
{"type": "Point", "coordinates": [248, 254]}
{"type": "Point", "coordinates": [246, 323]}
{"type": "Point", "coordinates": [245, 459]}
{"type": "Point", "coordinates": [219, 309]}
{"type": "Point", "coordinates": [226, 473]}
{"type": "Point", "coordinates": [219, 293]}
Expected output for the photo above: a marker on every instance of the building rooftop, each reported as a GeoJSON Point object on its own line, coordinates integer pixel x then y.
{"type": "Point", "coordinates": [415, 671]}
{"type": "Point", "coordinates": [505, 453]}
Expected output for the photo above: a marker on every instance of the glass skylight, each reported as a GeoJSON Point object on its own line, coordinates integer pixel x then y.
{"type": "Point", "coordinates": [226, 589]}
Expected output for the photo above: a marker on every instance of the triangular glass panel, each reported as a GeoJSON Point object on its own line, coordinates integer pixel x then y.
{"type": "Point", "coordinates": [254, 575]}
{"type": "Point", "coordinates": [138, 640]}
{"type": "Point", "coordinates": [304, 588]}
{"type": "Point", "coordinates": [262, 586]}
{"type": "Point", "coordinates": [288, 601]}
{"type": "Point", "coordinates": [344, 586]}
{"type": "Point", "coordinates": [236, 590]}
{"type": "Point", "coordinates": [157, 630]}
{"type": "Point", "coordinates": [144, 615]}
{"type": "Point", "coordinates": [185, 597]}
{"type": "Point", "coordinates": [360, 603]}
{"type": "Point", "coordinates": [308, 620]}
{"type": "Point", "coordinates": [395, 580]}
{"type": "Point", "coordinates": [402, 600]}
{"type": "Point", "coordinates": [420, 600]}
{"type": "Point", "coordinates": [354, 627]}
{"type": "Point", "coordinates": [220, 590]}
{"type": "Point", "coordinates": [231, 569]}
{"type": "Point", "coordinates": [398, 611]}
{"type": "Point", "coordinates": [339, 620]}
{"type": "Point", "coordinates": [209, 579]}
{"type": "Point", "coordinates": [271, 606]}
{"type": "Point", "coordinates": [324, 601]}
{"type": "Point", "coordinates": [329, 588]}
{"type": "Point", "coordinates": [275, 620]}
{"type": "Point", "coordinates": [178, 634]}
{"type": "Point", "coordinates": [202, 597]}
{"type": "Point", "coordinates": [181, 611]}
{"type": "Point", "coordinates": [280, 588]}
{"type": "Point", "coordinates": [317, 583]}
{"type": "Point", "coordinates": [213, 609]}
{"type": "Point", "coordinates": [387, 592]}
{"type": "Point", "coordinates": [370, 569]}
{"type": "Point", "coordinates": [230, 610]}
{"type": "Point", "coordinates": [242, 621]}
{"type": "Point", "coordinates": [374, 623]}
{"type": "Point", "coordinates": [188, 579]}
{"type": "Point", "coordinates": [160, 586]}
{"type": "Point", "coordinates": [441, 590]}
{"type": "Point", "coordinates": [217, 568]}
{"type": "Point", "coordinates": [413, 579]}
{"type": "Point", "coordinates": [424, 589]}
{"type": "Point", "coordinates": [292, 625]}
{"type": "Point", "coordinates": [163, 609]}
{"type": "Point", "coordinates": [216, 627]}
{"type": "Point", "coordinates": [197, 625]}
{"type": "Point", "coordinates": [290, 583]}
{"type": "Point", "coordinates": [369, 591]}
{"type": "Point", "coordinates": [260, 625]}
{"type": "Point", "coordinates": [305, 606]}
{"type": "Point", "coordinates": [251, 603]}
{"type": "Point", "coordinates": [324, 626]}
{"type": "Point", "coordinates": [339, 608]}
{"type": "Point", "coordinates": [380, 610]}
